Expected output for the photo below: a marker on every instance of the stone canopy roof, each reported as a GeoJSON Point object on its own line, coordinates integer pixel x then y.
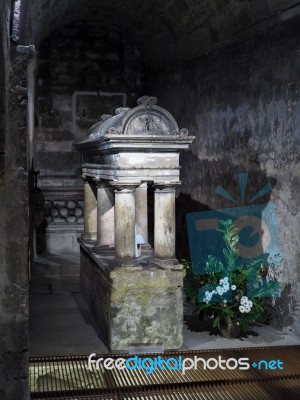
{"type": "Point", "coordinates": [147, 119]}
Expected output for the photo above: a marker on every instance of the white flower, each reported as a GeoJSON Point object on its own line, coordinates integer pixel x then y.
{"type": "Point", "coordinates": [247, 309]}
{"type": "Point", "coordinates": [221, 281]}
{"type": "Point", "coordinates": [207, 293]}
{"type": "Point", "coordinates": [244, 300]}
{"type": "Point", "coordinates": [248, 303]}
{"type": "Point", "coordinates": [225, 301]}
{"type": "Point", "coordinates": [226, 287]}
{"type": "Point", "coordinates": [242, 309]}
{"type": "Point", "coordinates": [225, 279]}
{"type": "Point", "coordinates": [233, 287]}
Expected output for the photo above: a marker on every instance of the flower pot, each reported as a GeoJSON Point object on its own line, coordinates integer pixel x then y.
{"type": "Point", "coordinates": [230, 328]}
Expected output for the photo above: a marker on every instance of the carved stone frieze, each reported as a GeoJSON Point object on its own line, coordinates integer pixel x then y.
{"type": "Point", "coordinates": [114, 131]}
{"type": "Point", "coordinates": [64, 211]}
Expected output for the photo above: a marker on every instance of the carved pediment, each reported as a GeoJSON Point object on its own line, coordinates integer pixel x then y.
{"type": "Point", "coordinates": [147, 120]}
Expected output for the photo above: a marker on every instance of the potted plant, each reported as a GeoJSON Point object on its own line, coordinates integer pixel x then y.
{"type": "Point", "coordinates": [223, 292]}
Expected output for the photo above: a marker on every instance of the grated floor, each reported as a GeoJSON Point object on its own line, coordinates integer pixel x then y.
{"type": "Point", "coordinates": [70, 378]}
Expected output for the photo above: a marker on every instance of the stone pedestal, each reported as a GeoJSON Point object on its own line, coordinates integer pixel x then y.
{"type": "Point", "coordinates": [62, 238]}
{"type": "Point", "coordinates": [90, 214]}
{"type": "Point", "coordinates": [133, 305]}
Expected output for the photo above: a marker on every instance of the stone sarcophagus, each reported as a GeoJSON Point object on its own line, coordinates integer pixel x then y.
{"type": "Point", "coordinates": [134, 289]}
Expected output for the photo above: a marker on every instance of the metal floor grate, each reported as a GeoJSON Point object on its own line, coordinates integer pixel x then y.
{"type": "Point", "coordinates": [69, 378]}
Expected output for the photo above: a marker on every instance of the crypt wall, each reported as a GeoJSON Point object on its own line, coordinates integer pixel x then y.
{"type": "Point", "coordinates": [215, 99]}
{"type": "Point", "coordinates": [84, 70]}
{"type": "Point", "coordinates": [242, 104]}
{"type": "Point", "coordinates": [13, 215]}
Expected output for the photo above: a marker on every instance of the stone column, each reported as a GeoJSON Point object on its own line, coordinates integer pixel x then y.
{"type": "Point", "coordinates": [125, 222]}
{"type": "Point", "coordinates": [105, 216]}
{"type": "Point", "coordinates": [141, 216]}
{"type": "Point", "coordinates": [90, 213]}
{"type": "Point", "coordinates": [164, 222]}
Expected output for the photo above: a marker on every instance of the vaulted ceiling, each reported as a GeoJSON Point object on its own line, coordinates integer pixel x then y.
{"type": "Point", "coordinates": [166, 31]}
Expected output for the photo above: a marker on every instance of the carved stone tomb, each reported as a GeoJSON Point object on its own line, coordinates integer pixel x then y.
{"type": "Point", "coordinates": [134, 289]}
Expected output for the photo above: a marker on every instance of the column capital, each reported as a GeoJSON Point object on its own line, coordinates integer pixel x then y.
{"type": "Point", "coordinates": [86, 178]}
{"type": "Point", "coordinates": [167, 187]}
{"type": "Point", "coordinates": [101, 183]}
{"type": "Point", "coordinates": [124, 187]}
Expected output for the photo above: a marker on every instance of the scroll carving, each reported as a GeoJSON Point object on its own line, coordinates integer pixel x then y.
{"type": "Point", "coordinates": [121, 110]}
{"type": "Point", "coordinates": [183, 132]}
{"type": "Point", "coordinates": [147, 101]}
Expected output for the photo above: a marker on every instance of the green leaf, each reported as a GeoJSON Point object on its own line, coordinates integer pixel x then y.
{"type": "Point", "coordinates": [190, 293]}
{"type": "Point", "coordinates": [226, 253]}
{"type": "Point", "coordinates": [226, 223]}
{"type": "Point", "coordinates": [213, 265]}
{"type": "Point", "coordinates": [228, 312]}
{"type": "Point", "coordinates": [216, 323]}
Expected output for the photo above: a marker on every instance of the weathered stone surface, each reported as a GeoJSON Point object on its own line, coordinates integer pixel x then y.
{"type": "Point", "coordinates": [137, 305]}
{"type": "Point", "coordinates": [80, 60]}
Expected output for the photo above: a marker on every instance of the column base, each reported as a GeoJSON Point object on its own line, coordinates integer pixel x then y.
{"type": "Point", "coordinates": [89, 237]}
{"type": "Point", "coordinates": [168, 263]}
{"type": "Point", "coordinates": [127, 262]}
{"type": "Point", "coordinates": [103, 248]}
{"type": "Point", "coordinates": [146, 248]}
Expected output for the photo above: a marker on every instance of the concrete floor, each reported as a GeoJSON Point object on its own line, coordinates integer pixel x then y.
{"type": "Point", "coordinates": [61, 324]}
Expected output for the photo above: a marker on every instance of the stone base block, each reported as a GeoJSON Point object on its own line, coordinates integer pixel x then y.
{"type": "Point", "coordinates": [62, 238]}
{"type": "Point", "coordinates": [140, 305]}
